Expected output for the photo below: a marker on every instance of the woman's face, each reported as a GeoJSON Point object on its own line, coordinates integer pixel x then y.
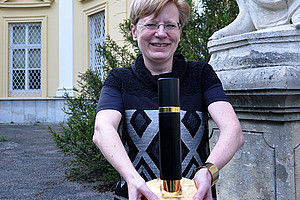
{"type": "Point", "coordinates": [158, 45]}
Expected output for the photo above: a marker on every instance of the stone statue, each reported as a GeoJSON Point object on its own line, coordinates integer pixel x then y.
{"type": "Point", "coordinates": [261, 14]}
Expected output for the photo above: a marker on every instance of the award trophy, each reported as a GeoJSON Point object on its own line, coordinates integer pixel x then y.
{"type": "Point", "coordinates": [170, 185]}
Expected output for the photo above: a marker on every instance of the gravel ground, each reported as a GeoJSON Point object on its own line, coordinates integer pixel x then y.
{"type": "Point", "coordinates": [32, 168]}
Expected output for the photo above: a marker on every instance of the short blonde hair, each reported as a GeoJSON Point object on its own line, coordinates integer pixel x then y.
{"type": "Point", "coordinates": [143, 8]}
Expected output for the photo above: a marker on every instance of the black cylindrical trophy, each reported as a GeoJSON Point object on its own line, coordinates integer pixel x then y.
{"type": "Point", "coordinates": [169, 133]}
{"type": "Point", "coordinates": [170, 185]}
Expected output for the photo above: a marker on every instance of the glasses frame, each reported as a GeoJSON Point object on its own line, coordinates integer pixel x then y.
{"type": "Point", "coordinates": [155, 26]}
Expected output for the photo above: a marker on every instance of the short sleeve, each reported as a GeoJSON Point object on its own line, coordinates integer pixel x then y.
{"type": "Point", "coordinates": [110, 98]}
{"type": "Point", "coordinates": [213, 90]}
{"type": "Point", "coordinates": [215, 93]}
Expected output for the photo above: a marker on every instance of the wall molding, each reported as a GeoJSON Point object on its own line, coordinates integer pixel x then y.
{"type": "Point", "coordinates": [25, 4]}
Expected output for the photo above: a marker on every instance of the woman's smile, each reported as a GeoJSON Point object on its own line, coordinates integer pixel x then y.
{"type": "Point", "coordinates": [159, 44]}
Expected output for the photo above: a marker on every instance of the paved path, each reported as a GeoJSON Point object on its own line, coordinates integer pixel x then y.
{"type": "Point", "coordinates": [31, 167]}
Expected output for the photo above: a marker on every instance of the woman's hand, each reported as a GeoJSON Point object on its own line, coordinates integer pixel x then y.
{"type": "Point", "coordinates": [202, 181]}
{"type": "Point", "coordinates": [138, 190]}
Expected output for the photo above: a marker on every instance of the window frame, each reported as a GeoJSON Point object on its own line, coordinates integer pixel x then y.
{"type": "Point", "coordinates": [87, 13]}
{"type": "Point", "coordinates": [27, 47]}
{"type": "Point", "coordinates": [92, 43]}
{"type": "Point", "coordinates": [7, 20]}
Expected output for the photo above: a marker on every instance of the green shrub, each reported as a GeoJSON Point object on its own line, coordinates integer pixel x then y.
{"type": "Point", "coordinates": [74, 137]}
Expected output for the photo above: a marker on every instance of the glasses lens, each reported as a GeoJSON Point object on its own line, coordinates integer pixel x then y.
{"type": "Point", "coordinates": [170, 27]}
{"type": "Point", "coordinates": [151, 26]}
{"type": "Point", "coordinates": [167, 27]}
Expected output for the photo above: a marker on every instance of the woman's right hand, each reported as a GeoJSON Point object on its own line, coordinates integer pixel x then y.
{"type": "Point", "coordinates": [138, 190]}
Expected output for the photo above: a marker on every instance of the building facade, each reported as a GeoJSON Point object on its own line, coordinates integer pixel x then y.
{"type": "Point", "coordinates": [45, 45]}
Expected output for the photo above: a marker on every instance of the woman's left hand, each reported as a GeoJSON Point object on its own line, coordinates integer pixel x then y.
{"type": "Point", "coordinates": [202, 181]}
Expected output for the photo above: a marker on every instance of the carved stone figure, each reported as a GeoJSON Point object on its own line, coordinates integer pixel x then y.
{"type": "Point", "coordinates": [261, 14]}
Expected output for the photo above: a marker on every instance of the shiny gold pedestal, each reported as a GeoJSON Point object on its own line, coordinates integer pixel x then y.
{"type": "Point", "coordinates": [186, 192]}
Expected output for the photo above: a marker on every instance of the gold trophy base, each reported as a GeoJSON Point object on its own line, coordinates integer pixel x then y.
{"type": "Point", "coordinates": [186, 192]}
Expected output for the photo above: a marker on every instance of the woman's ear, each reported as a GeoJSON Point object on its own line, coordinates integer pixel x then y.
{"type": "Point", "coordinates": [134, 32]}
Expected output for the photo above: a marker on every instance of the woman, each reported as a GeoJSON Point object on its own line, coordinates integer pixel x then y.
{"type": "Point", "coordinates": [130, 96]}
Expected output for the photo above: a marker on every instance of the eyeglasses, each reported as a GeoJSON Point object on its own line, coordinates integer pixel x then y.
{"type": "Point", "coordinates": [167, 27]}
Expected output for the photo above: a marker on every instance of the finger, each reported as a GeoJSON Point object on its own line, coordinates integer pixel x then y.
{"type": "Point", "coordinates": [201, 191]}
{"type": "Point", "coordinates": [208, 195]}
{"type": "Point", "coordinates": [135, 195]}
{"type": "Point", "coordinates": [148, 194]}
{"type": "Point", "coordinates": [132, 196]}
{"type": "Point", "coordinates": [198, 195]}
{"type": "Point", "coordinates": [152, 196]}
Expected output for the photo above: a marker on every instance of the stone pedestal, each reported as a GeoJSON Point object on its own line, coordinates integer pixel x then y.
{"type": "Point", "coordinates": [260, 72]}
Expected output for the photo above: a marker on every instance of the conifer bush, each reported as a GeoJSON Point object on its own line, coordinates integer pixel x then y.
{"type": "Point", "coordinates": [74, 137]}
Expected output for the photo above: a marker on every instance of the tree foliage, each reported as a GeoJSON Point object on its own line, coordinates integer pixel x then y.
{"type": "Point", "coordinates": [215, 14]}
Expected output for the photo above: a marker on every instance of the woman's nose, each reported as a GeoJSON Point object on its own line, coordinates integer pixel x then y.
{"type": "Point", "coordinates": [161, 31]}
